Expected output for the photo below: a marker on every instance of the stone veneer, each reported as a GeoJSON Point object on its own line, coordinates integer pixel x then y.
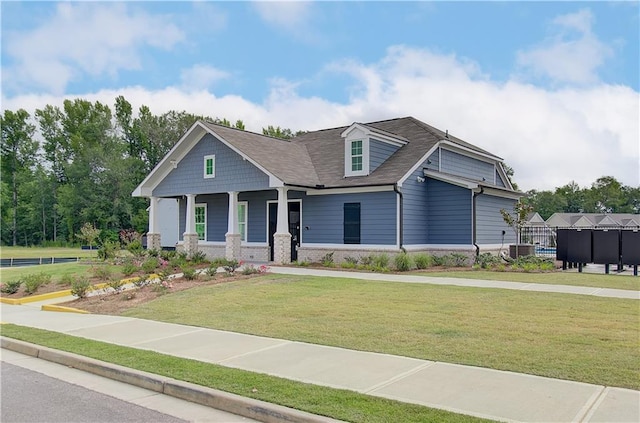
{"type": "Point", "coordinates": [154, 242]}
{"type": "Point", "coordinates": [190, 244]}
{"type": "Point", "coordinates": [232, 247]}
{"type": "Point", "coordinates": [282, 248]}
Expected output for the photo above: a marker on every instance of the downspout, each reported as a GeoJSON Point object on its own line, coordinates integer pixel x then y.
{"type": "Point", "coordinates": [400, 217]}
{"type": "Point", "coordinates": [475, 223]}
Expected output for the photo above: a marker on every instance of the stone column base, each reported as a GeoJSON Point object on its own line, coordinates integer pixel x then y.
{"type": "Point", "coordinates": [282, 248]}
{"type": "Point", "coordinates": [232, 247]}
{"type": "Point", "coordinates": [153, 242]}
{"type": "Point", "coordinates": [190, 243]}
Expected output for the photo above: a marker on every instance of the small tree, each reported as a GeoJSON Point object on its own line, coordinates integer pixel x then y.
{"type": "Point", "coordinates": [517, 219]}
{"type": "Point", "coordinates": [89, 234]}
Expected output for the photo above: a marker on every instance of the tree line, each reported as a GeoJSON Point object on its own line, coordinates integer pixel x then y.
{"type": "Point", "coordinates": [76, 164]}
{"type": "Point", "coordinates": [606, 195]}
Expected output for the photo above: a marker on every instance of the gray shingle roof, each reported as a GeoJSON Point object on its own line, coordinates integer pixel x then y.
{"type": "Point", "coordinates": [317, 158]}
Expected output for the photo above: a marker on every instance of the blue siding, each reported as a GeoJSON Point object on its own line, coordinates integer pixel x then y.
{"type": "Point", "coordinates": [414, 209]}
{"type": "Point", "coordinates": [499, 181]}
{"type": "Point", "coordinates": [379, 152]}
{"type": "Point", "coordinates": [461, 165]}
{"type": "Point", "coordinates": [489, 220]}
{"type": "Point", "coordinates": [448, 213]}
{"type": "Point", "coordinates": [257, 217]}
{"type": "Point", "coordinates": [217, 215]}
{"type": "Point", "coordinates": [323, 214]}
{"type": "Point", "coordinates": [232, 172]}
{"type": "Point", "coordinates": [433, 162]}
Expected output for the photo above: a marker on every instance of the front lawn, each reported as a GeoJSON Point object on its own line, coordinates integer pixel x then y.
{"type": "Point", "coordinates": [573, 337]}
{"type": "Point", "coordinates": [554, 278]}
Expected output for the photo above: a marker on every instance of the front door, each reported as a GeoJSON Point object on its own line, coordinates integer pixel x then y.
{"type": "Point", "coordinates": [294, 227]}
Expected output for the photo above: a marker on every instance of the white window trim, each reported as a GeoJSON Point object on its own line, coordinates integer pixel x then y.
{"type": "Point", "coordinates": [246, 220]}
{"type": "Point", "coordinates": [202, 205]}
{"type": "Point", "coordinates": [347, 157]}
{"type": "Point", "coordinates": [204, 170]}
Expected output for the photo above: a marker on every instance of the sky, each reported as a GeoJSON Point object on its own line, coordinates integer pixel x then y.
{"type": "Point", "coordinates": [551, 87]}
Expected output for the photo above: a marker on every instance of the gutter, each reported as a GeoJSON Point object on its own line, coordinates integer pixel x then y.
{"type": "Point", "coordinates": [400, 217]}
{"type": "Point", "coordinates": [475, 223]}
{"type": "Point", "coordinates": [320, 187]}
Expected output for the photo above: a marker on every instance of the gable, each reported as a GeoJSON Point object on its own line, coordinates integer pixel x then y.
{"type": "Point", "coordinates": [232, 172]}
{"type": "Point", "coordinates": [459, 164]}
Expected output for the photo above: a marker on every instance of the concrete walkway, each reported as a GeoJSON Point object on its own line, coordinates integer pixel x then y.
{"type": "Point", "coordinates": [477, 283]}
{"type": "Point", "coordinates": [493, 394]}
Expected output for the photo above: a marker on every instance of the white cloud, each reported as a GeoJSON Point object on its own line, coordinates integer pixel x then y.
{"type": "Point", "coordinates": [85, 38]}
{"type": "Point", "coordinates": [201, 77]}
{"type": "Point", "coordinates": [550, 137]}
{"type": "Point", "coordinates": [284, 14]}
{"type": "Point", "coordinates": [572, 55]}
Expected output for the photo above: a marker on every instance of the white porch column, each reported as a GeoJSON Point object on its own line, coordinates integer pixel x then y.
{"type": "Point", "coordinates": [233, 243]}
{"type": "Point", "coordinates": [282, 237]}
{"type": "Point", "coordinates": [153, 235]}
{"type": "Point", "coordinates": [190, 235]}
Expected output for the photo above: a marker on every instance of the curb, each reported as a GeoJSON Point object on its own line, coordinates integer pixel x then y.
{"type": "Point", "coordinates": [209, 397]}
{"type": "Point", "coordinates": [53, 307]}
{"type": "Point", "coordinates": [43, 297]}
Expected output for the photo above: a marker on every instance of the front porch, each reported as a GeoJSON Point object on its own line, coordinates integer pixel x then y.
{"type": "Point", "coordinates": [251, 225]}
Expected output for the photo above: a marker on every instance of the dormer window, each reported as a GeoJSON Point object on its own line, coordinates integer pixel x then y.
{"type": "Point", "coordinates": [356, 156]}
{"type": "Point", "coordinates": [366, 148]}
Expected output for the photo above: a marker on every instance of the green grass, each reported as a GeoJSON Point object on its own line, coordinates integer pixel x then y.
{"type": "Point", "coordinates": [336, 403]}
{"type": "Point", "coordinates": [57, 271]}
{"type": "Point", "coordinates": [573, 337]}
{"type": "Point", "coordinates": [37, 252]}
{"type": "Point", "coordinates": [555, 278]}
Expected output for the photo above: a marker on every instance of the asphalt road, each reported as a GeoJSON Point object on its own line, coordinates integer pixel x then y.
{"type": "Point", "coordinates": [35, 391]}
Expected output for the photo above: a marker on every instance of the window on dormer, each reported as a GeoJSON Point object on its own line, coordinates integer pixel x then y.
{"type": "Point", "coordinates": [356, 156]}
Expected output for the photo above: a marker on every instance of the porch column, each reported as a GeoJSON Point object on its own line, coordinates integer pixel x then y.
{"type": "Point", "coordinates": [232, 248]}
{"type": "Point", "coordinates": [282, 237]}
{"type": "Point", "coordinates": [153, 235]}
{"type": "Point", "coordinates": [190, 235]}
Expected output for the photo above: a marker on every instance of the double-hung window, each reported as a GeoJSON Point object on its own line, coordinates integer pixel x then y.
{"type": "Point", "coordinates": [201, 221]}
{"type": "Point", "coordinates": [356, 156]}
{"type": "Point", "coordinates": [242, 220]}
{"type": "Point", "coordinates": [210, 166]}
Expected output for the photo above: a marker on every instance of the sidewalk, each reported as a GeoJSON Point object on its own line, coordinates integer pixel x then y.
{"type": "Point", "coordinates": [493, 394]}
{"type": "Point", "coordinates": [477, 283]}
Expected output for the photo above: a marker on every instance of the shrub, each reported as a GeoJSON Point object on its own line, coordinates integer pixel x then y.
{"type": "Point", "coordinates": [102, 272]}
{"type": "Point", "coordinates": [327, 260]}
{"type": "Point", "coordinates": [230, 266]}
{"type": "Point", "coordinates": [108, 250]}
{"type": "Point", "coordinates": [153, 253]}
{"type": "Point", "coordinates": [380, 261]}
{"type": "Point", "coordinates": [34, 281]}
{"type": "Point", "coordinates": [403, 262]}
{"type": "Point", "coordinates": [116, 284]}
{"type": "Point", "coordinates": [162, 287]}
{"type": "Point", "coordinates": [302, 263]}
{"type": "Point", "coordinates": [80, 287]}
{"type": "Point", "coordinates": [198, 257]}
{"type": "Point", "coordinates": [141, 282]}
{"type": "Point", "coordinates": [129, 268]}
{"type": "Point", "coordinates": [423, 261]}
{"type": "Point", "coordinates": [487, 260]}
{"type": "Point", "coordinates": [189, 273]}
{"type": "Point", "coordinates": [10, 287]}
{"type": "Point", "coordinates": [367, 260]}
{"type": "Point", "coordinates": [135, 247]}
{"type": "Point", "coordinates": [167, 254]}
{"type": "Point", "coordinates": [150, 265]}
{"type": "Point", "coordinates": [66, 279]}
{"type": "Point", "coordinates": [533, 263]}
{"type": "Point", "coordinates": [348, 265]}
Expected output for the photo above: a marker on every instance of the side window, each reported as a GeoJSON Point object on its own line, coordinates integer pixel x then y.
{"type": "Point", "coordinates": [242, 220]}
{"type": "Point", "coordinates": [210, 166]}
{"type": "Point", "coordinates": [201, 221]}
{"type": "Point", "coordinates": [352, 223]}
